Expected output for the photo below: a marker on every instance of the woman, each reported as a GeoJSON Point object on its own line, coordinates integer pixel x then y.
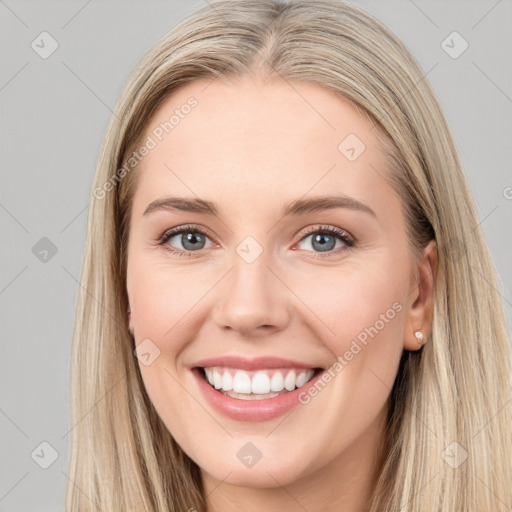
{"type": "Point", "coordinates": [287, 302]}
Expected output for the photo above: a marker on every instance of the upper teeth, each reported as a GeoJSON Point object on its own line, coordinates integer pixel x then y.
{"type": "Point", "coordinates": [259, 382]}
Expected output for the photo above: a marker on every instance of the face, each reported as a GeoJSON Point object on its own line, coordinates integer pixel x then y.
{"type": "Point", "coordinates": [297, 308]}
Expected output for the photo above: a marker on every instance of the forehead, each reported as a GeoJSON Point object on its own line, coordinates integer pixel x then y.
{"type": "Point", "coordinates": [221, 140]}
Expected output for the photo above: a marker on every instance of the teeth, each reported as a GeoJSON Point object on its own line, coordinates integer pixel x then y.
{"type": "Point", "coordinates": [227, 381]}
{"type": "Point", "coordinates": [261, 382]}
{"type": "Point", "coordinates": [241, 382]}
{"type": "Point", "coordinates": [217, 379]}
{"type": "Point", "coordinates": [289, 381]}
{"type": "Point", "coordinates": [301, 379]}
{"type": "Point", "coordinates": [208, 374]}
{"type": "Point", "coordinates": [277, 382]}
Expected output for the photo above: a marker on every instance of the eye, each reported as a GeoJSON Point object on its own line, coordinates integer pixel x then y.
{"type": "Point", "coordinates": [191, 238]}
{"type": "Point", "coordinates": [324, 240]}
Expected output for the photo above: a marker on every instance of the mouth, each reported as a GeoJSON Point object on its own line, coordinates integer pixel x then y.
{"type": "Point", "coordinates": [257, 384]}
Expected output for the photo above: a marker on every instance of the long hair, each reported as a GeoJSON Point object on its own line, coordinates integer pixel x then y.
{"type": "Point", "coordinates": [448, 441]}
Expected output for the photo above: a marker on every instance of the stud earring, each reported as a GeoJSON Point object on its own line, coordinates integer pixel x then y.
{"type": "Point", "coordinates": [419, 337]}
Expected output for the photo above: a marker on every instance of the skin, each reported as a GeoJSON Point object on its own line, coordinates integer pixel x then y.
{"type": "Point", "coordinates": [251, 148]}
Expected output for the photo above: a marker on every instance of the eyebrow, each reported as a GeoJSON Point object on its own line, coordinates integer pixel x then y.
{"type": "Point", "coordinates": [298, 207]}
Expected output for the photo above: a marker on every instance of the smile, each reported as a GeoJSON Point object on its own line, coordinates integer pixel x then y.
{"type": "Point", "coordinates": [256, 384]}
{"type": "Point", "coordinates": [254, 390]}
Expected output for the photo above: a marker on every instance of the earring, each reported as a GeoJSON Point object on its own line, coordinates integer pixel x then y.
{"type": "Point", "coordinates": [419, 337]}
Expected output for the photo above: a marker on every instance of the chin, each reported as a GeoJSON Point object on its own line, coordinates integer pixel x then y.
{"type": "Point", "coordinates": [273, 470]}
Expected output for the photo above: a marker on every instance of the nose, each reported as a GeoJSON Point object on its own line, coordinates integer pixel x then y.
{"type": "Point", "coordinates": [252, 300]}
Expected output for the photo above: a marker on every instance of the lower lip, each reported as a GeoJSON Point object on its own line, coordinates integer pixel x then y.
{"type": "Point", "coordinates": [251, 410]}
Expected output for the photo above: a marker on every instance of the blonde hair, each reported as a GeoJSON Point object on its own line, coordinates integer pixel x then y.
{"type": "Point", "coordinates": [456, 389]}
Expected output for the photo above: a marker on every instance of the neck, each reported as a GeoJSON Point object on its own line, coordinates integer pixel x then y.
{"type": "Point", "coordinates": [345, 484]}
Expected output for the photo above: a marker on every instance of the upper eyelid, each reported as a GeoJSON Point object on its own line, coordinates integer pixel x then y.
{"type": "Point", "coordinates": [333, 230]}
{"type": "Point", "coordinates": [190, 227]}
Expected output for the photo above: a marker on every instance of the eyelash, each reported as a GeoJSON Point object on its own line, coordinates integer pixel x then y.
{"type": "Point", "coordinates": [347, 239]}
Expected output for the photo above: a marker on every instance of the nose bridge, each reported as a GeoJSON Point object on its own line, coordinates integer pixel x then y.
{"type": "Point", "coordinates": [252, 296]}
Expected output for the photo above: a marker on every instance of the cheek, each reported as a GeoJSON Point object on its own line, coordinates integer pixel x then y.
{"type": "Point", "coordinates": [350, 300]}
{"type": "Point", "coordinates": [365, 315]}
{"type": "Point", "coordinates": [162, 302]}
{"type": "Point", "coordinates": [162, 297]}
{"type": "Point", "coordinates": [361, 311]}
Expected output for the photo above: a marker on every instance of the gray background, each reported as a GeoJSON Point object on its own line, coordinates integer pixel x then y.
{"type": "Point", "coordinates": [53, 115]}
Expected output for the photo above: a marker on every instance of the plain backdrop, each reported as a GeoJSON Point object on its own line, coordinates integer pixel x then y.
{"type": "Point", "coordinates": [54, 110]}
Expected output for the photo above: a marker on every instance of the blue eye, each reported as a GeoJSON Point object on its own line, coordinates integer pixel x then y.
{"type": "Point", "coordinates": [193, 239]}
{"type": "Point", "coordinates": [325, 238]}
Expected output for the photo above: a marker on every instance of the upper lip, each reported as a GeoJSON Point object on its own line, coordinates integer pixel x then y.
{"type": "Point", "coordinates": [256, 363]}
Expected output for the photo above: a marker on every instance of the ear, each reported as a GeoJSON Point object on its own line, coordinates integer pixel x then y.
{"type": "Point", "coordinates": [421, 306]}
